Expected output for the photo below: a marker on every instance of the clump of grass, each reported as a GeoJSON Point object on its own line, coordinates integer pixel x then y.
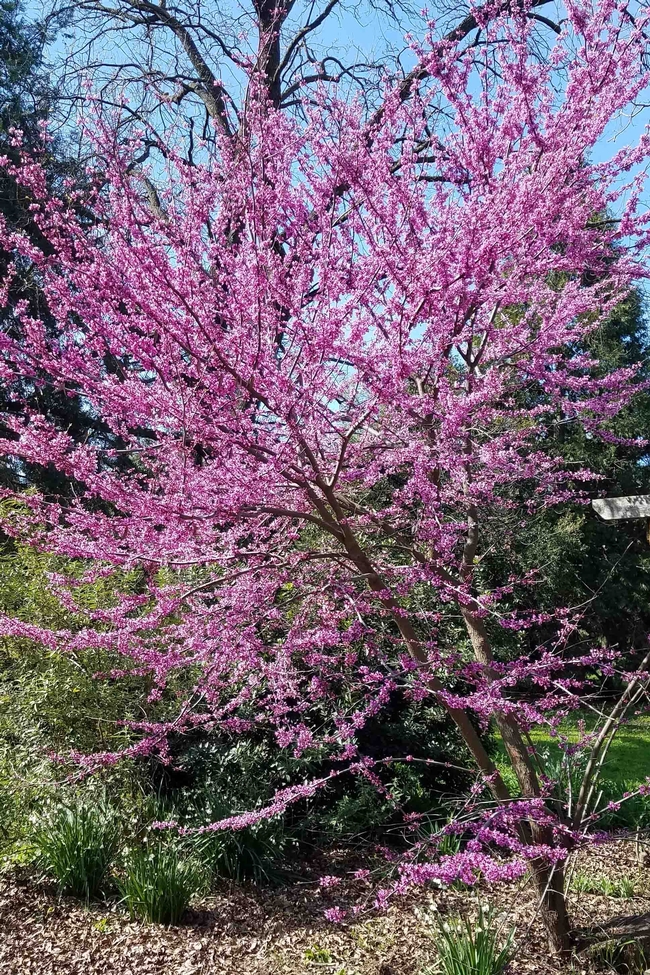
{"type": "Point", "coordinates": [435, 839]}
{"type": "Point", "coordinates": [259, 852]}
{"type": "Point", "coordinates": [75, 845]}
{"type": "Point", "coordinates": [585, 883]}
{"type": "Point", "coordinates": [475, 947]}
{"type": "Point", "coordinates": [619, 957]}
{"type": "Point", "coordinates": [159, 882]}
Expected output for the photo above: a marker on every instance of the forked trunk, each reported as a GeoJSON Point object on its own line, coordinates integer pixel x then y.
{"type": "Point", "coordinates": [549, 882]}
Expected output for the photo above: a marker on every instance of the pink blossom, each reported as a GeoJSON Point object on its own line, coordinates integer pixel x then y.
{"type": "Point", "coordinates": [323, 343]}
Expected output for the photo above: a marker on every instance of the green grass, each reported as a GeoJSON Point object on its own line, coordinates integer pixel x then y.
{"type": "Point", "coordinates": [75, 845]}
{"type": "Point", "coordinates": [586, 883]}
{"type": "Point", "coordinates": [159, 881]}
{"type": "Point", "coordinates": [626, 768]}
{"type": "Point", "coordinates": [473, 947]}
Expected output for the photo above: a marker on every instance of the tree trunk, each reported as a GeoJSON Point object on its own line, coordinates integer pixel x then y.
{"type": "Point", "coordinates": [548, 880]}
{"type": "Point", "coordinates": [549, 885]}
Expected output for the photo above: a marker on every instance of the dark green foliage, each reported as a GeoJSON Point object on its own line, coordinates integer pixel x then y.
{"type": "Point", "coordinates": [423, 733]}
{"type": "Point", "coordinates": [259, 853]}
{"type": "Point", "coordinates": [213, 779]}
{"type": "Point", "coordinates": [26, 100]}
{"type": "Point", "coordinates": [420, 741]}
{"type": "Point", "coordinates": [24, 93]}
{"type": "Point", "coordinates": [600, 568]}
{"type": "Point", "coordinates": [159, 880]}
{"type": "Point", "coordinates": [216, 776]}
{"type": "Point", "coordinates": [75, 846]}
{"type": "Point", "coordinates": [357, 813]}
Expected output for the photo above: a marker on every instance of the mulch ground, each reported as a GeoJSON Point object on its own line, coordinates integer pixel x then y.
{"type": "Point", "coordinates": [247, 931]}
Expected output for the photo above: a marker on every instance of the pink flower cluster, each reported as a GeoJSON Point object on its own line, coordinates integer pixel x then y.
{"type": "Point", "coordinates": [318, 352]}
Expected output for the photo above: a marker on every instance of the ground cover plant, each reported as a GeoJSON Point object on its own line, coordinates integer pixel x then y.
{"type": "Point", "coordinates": [159, 880]}
{"type": "Point", "coordinates": [582, 882]}
{"type": "Point", "coordinates": [332, 346]}
{"type": "Point", "coordinates": [76, 844]}
{"type": "Point", "coordinates": [473, 946]}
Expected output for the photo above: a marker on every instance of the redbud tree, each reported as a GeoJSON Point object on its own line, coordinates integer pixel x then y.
{"type": "Point", "coordinates": [332, 347]}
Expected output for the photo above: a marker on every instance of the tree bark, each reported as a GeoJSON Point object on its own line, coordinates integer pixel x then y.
{"type": "Point", "coordinates": [548, 879]}
{"type": "Point", "coordinates": [459, 717]}
{"type": "Point", "coordinates": [549, 884]}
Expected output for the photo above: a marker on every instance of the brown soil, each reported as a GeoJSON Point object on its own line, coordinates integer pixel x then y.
{"type": "Point", "coordinates": [245, 931]}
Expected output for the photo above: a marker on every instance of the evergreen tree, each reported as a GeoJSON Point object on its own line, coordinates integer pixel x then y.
{"type": "Point", "coordinates": [579, 560]}
{"type": "Point", "coordinates": [26, 100]}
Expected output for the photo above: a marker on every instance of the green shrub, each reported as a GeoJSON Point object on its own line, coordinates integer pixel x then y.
{"type": "Point", "coordinates": [159, 880]}
{"type": "Point", "coordinates": [224, 782]}
{"type": "Point", "coordinates": [356, 814]}
{"type": "Point", "coordinates": [473, 948]}
{"type": "Point", "coordinates": [256, 853]}
{"type": "Point", "coordinates": [236, 775]}
{"type": "Point", "coordinates": [75, 845]}
{"type": "Point", "coordinates": [433, 839]}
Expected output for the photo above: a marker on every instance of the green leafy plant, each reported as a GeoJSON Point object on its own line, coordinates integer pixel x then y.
{"type": "Point", "coordinates": [230, 783]}
{"type": "Point", "coordinates": [582, 883]}
{"type": "Point", "coordinates": [253, 853]}
{"type": "Point", "coordinates": [315, 953]}
{"type": "Point", "coordinates": [102, 925]}
{"type": "Point", "coordinates": [587, 884]}
{"type": "Point", "coordinates": [619, 957]}
{"type": "Point", "coordinates": [159, 880]}
{"type": "Point", "coordinates": [468, 947]}
{"type": "Point", "coordinates": [75, 845]}
{"type": "Point", "coordinates": [434, 840]}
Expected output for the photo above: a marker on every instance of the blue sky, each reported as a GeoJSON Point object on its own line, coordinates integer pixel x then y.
{"type": "Point", "coordinates": [363, 35]}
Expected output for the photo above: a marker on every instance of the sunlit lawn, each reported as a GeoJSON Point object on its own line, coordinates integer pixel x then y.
{"type": "Point", "coordinates": [627, 765]}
